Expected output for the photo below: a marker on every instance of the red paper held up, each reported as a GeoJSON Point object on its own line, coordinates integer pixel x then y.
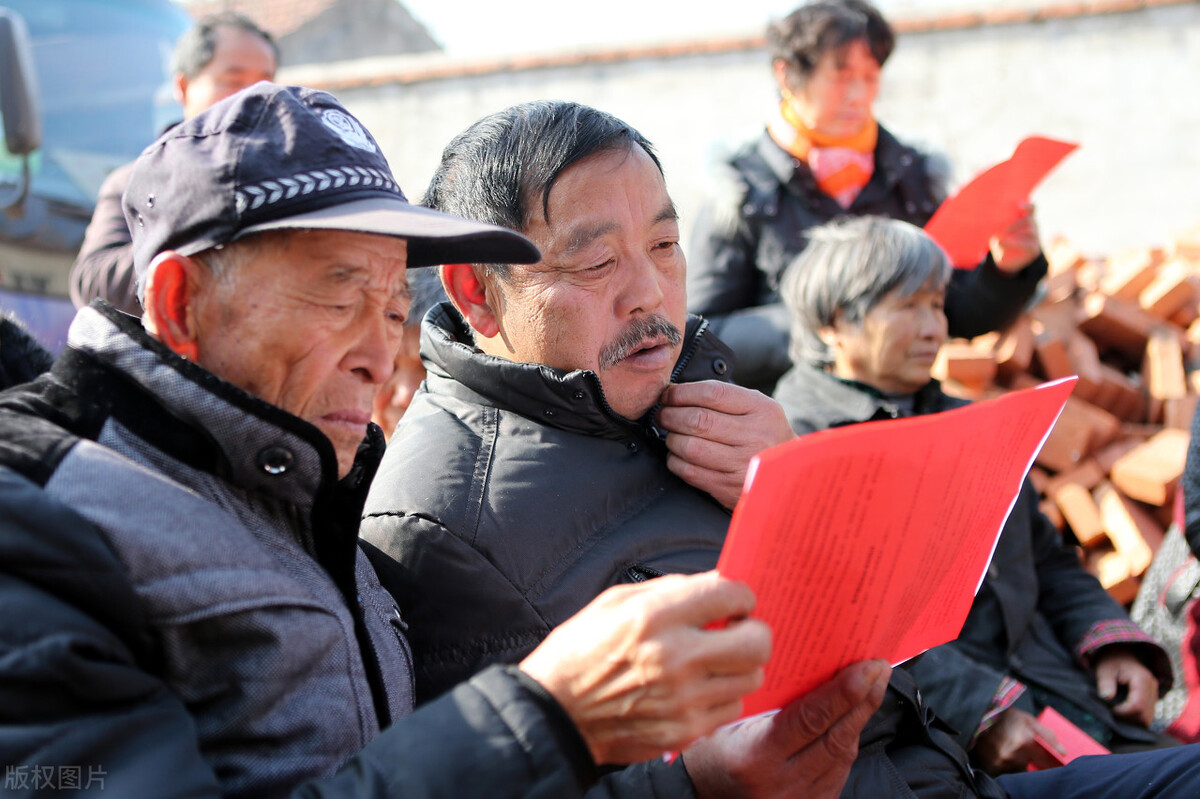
{"type": "Point", "coordinates": [964, 223]}
{"type": "Point", "coordinates": [870, 541]}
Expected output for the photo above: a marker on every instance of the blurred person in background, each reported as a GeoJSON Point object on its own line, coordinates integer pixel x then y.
{"type": "Point", "coordinates": [823, 155]}
{"type": "Point", "coordinates": [223, 53]}
{"type": "Point", "coordinates": [397, 391]}
{"type": "Point", "coordinates": [22, 358]}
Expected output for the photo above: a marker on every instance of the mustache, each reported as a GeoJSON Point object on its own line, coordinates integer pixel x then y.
{"type": "Point", "coordinates": [635, 336]}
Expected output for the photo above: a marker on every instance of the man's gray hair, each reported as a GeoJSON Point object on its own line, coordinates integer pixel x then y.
{"type": "Point", "coordinates": [850, 265]}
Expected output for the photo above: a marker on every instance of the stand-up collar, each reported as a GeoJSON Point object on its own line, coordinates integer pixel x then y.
{"type": "Point", "coordinates": [892, 160]}
{"type": "Point", "coordinates": [199, 418]}
{"type": "Point", "coordinates": [572, 401]}
{"type": "Point", "coordinates": [819, 400]}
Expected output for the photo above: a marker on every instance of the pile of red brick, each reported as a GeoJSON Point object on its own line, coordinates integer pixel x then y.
{"type": "Point", "coordinates": [1129, 326]}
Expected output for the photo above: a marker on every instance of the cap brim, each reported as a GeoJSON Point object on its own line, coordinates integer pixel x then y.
{"type": "Point", "coordinates": [433, 237]}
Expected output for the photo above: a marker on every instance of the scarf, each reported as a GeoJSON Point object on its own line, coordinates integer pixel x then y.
{"type": "Point", "coordinates": [842, 167]}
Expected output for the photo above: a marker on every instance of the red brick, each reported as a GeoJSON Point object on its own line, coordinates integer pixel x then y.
{"type": "Point", "coordinates": [1126, 528]}
{"type": "Point", "coordinates": [1080, 512]}
{"type": "Point", "coordinates": [1173, 288]}
{"type": "Point", "coordinates": [963, 363]}
{"type": "Point", "coordinates": [1113, 323]}
{"type": "Point", "coordinates": [1162, 365]}
{"type": "Point", "coordinates": [1127, 272]}
{"type": "Point", "coordinates": [1150, 471]}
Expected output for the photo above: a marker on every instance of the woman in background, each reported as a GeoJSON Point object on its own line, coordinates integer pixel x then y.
{"type": "Point", "coordinates": [823, 155]}
{"type": "Point", "coordinates": [866, 300]}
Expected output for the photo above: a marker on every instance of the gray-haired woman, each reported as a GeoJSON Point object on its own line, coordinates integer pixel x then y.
{"type": "Point", "coordinates": [866, 301]}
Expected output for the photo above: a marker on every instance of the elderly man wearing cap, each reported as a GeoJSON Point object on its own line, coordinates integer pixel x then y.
{"type": "Point", "coordinates": [188, 611]}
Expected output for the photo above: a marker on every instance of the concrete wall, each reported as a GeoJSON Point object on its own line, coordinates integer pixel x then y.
{"type": "Point", "coordinates": [1120, 77]}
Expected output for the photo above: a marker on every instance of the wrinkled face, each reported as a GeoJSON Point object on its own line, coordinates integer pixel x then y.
{"type": "Point", "coordinates": [394, 396]}
{"type": "Point", "coordinates": [310, 322]}
{"type": "Point", "coordinates": [608, 294]}
{"type": "Point", "coordinates": [895, 346]}
{"type": "Point", "coordinates": [839, 95]}
{"type": "Point", "coordinates": [240, 59]}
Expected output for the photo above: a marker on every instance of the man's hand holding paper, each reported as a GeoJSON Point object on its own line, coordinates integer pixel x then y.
{"type": "Point", "coordinates": [806, 749]}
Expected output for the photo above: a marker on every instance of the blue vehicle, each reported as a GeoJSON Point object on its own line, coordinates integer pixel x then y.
{"type": "Point", "coordinates": [83, 89]}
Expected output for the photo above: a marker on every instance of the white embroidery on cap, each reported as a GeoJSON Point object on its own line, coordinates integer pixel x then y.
{"type": "Point", "coordinates": [272, 191]}
{"type": "Point", "coordinates": [348, 130]}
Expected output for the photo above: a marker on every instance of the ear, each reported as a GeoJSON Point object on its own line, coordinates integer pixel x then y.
{"type": "Point", "coordinates": [468, 290]}
{"type": "Point", "coordinates": [172, 284]}
{"type": "Point", "coordinates": [779, 67]}
{"type": "Point", "coordinates": [180, 85]}
{"type": "Point", "coordinates": [829, 333]}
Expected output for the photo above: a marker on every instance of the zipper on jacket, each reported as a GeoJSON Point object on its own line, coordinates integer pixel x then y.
{"type": "Point", "coordinates": [685, 357]}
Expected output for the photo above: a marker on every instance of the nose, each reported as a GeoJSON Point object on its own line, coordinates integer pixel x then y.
{"type": "Point", "coordinates": [859, 93]}
{"type": "Point", "coordinates": [934, 325]}
{"type": "Point", "coordinates": [644, 292]}
{"type": "Point", "coordinates": [373, 353]}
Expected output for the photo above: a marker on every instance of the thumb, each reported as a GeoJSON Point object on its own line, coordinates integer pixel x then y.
{"type": "Point", "coordinates": [1106, 683]}
{"type": "Point", "coordinates": [1047, 736]}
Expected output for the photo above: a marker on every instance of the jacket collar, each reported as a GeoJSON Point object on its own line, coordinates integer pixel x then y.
{"type": "Point", "coordinates": [818, 400]}
{"type": "Point", "coordinates": [892, 160]}
{"type": "Point", "coordinates": [572, 401]}
{"type": "Point", "coordinates": [193, 416]}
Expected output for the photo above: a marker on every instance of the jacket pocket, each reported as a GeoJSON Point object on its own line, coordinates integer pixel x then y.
{"type": "Point", "coordinates": [639, 573]}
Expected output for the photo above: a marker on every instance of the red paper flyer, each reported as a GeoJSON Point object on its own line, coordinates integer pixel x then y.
{"type": "Point", "coordinates": [964, 223]}
{"type": "Point", "coordinates": [1077, 742]}
{"type": "Point", "coordinates": [870, 541]}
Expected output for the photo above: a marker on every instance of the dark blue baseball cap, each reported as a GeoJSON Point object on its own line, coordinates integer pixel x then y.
{"type": "Point", "coordinates": [274, 157]}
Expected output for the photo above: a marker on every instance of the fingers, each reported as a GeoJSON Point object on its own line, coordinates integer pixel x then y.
{"type": "Point", "coordinates": [1106, 680]}
{"type": "Point", "coordinates": [1010, 744]}
{"type": "Point", "coordinates": [740, 645]}
{"type": "Point", "coordinates": [807, 749]}
{"type": "Point", "coordinates": [694, 600]}
{"type": "Point", "coordinates": [638, 673]}
{"type": "Point", "coordinates": [706, 452]}
{"type": "Point", "coordinates": [1035, 752]}
{"type": "Point", "coordinates": [706, 407]}
{"type": "Point", "coordinates": [723, 483]}
{"type": "Point", "coordinates": [1117, 666]}
{"type": "Point", "coordinates": [723, 397]}
{"type": "Point", "coordinates": [1046, 735]}
{"type": "Point", "coordinates": [1143, 693]}
{"type": "Point", "coordinates": [1017, 245]}
{"type": "Point", "coordinates": [835, 712]}
{"type": "Point", "coordinates": [1038, 758]}
{"type": "Point", "coordinates": [713, 431]}
{"type": "Point", "coordinates": [702, 423]}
